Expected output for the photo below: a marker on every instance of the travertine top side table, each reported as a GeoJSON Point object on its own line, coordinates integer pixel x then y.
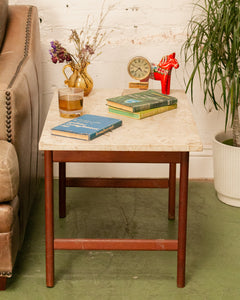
{"type": "Point", "coordinates": [171, 131]}
{"type": "Point", "coordinates": [164, 138]}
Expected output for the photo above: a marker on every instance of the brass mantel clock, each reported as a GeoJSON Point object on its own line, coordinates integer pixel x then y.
{"type": "Point", "coordinates": [139, 68]}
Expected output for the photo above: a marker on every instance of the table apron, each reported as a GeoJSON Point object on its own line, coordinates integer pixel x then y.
{"type": "Point", "coordinates": [117, 156]}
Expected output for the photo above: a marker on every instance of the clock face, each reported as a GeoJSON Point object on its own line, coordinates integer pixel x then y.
{"type": "Point", "coordinates": [139, 68]}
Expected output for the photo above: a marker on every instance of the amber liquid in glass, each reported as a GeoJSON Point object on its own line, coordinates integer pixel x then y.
{"type": "Point", "coordinates": [70, 106]}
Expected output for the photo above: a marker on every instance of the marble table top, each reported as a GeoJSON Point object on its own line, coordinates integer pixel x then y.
{"type": "Point", "coordinates": [174, 130]}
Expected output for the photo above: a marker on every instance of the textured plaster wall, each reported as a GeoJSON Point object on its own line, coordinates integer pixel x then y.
{"type": "Point", "coordinates": [150, 28]}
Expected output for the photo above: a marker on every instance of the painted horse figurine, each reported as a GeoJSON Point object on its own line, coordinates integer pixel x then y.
{"type": "Point", "coordinates": [163, 71]}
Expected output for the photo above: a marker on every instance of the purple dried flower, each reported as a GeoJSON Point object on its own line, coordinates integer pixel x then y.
{"type": "Point", "coordinates": [53, 45]}
{"type": "Point", "coordinates": [59, 53]}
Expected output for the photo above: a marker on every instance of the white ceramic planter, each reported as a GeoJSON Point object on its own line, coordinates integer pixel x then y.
{"type": "Point", "coordinates": [226, 166]}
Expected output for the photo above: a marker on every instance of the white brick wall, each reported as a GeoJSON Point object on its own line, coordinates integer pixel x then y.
{"type": "Point", "coordinates": [150, 28]}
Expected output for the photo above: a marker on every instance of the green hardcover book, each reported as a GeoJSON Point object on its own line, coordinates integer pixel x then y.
{"type": "Point", "coordinates": [141, 114]}
{"type": "Point", "coordinates": [141, 101]}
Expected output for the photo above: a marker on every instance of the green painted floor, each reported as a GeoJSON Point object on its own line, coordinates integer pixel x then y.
{"type": "Point", "coordinates": [213, 248]}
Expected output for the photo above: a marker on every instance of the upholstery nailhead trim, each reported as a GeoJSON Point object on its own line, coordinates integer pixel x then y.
{"type": "Point", "coordinates": [6, 274]}
{"type": "Point", "coordinates": [8, 116]}
{"type": "Point", "coordinates": [8, 94]}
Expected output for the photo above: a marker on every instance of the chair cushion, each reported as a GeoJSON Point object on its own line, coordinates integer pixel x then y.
{"type": "Point", "coordinates": [9, 172]}
{"type": "Point", "coordinates": [3, 19]}
{"type": "Point", "coordinates": [8, 214]}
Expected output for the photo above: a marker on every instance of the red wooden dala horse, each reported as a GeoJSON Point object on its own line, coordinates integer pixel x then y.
{"type": "Point", "coordinates": [163, 71]}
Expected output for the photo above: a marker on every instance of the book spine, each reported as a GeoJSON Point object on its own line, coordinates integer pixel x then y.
{"type": "Point", "coordinates": [109, 128]}
{"type": "Point", "coordinates": [123, 113]}
{"type": "Point", "coordinates": [159, 110]}
{"type": "Point", "coordinates": [142, 114]}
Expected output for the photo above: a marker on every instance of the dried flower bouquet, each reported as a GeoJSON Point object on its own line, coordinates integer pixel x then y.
{"type": "Point", "coordinates": [87, 43]}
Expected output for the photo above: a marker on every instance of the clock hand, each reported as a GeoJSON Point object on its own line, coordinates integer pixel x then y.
{"type": "Point", "coordinates": [135, 66]}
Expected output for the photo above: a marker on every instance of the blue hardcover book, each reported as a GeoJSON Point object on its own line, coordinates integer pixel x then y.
{"type": "Point", "coordinates": [86, 127]}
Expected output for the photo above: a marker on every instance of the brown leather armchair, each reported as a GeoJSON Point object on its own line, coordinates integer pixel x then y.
{"type": "Point", "coordinates": [20, 99]}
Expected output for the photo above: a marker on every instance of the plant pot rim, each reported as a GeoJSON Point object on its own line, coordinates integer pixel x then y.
{"type": "Point", "coordinates": [222, 136]}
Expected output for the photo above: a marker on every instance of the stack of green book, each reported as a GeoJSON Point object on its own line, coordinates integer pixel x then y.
{"type": "Point", "coordinates": [142, 104]}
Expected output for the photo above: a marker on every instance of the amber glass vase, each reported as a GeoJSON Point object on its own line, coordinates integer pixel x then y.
{"type": "Point", "coordinates": [79, 78]}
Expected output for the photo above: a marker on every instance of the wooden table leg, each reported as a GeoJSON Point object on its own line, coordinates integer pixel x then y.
{"type": "Point", "coordinates": [182, 222]}
{"type": "Point", "coordinates": [62, 189]}
{"type": "Point", "coordinates": [172, 191]}
{"type": "Point", "coordinates": [49, 222]}
{"type": "Point", "coordinates": [3, 283]}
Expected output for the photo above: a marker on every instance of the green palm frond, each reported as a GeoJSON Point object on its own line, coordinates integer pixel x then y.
{"type": "Point", "coordinates": [213, 45]}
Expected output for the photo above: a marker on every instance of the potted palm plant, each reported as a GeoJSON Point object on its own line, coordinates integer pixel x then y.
{"type": "Point", "coordinates": [213, 46]}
